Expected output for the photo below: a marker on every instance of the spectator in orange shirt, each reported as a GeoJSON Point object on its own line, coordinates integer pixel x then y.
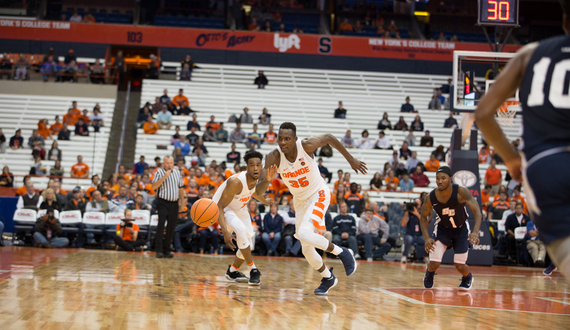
{"type": "Point", "coordinates": [340, 174]}
{"type": "Point", "coordinates": [432, 164]}
{"type": "Point", "coordinates": [345, 26]}
{"type": "Point", "coordinates": [485, 194]}
{"type": "Point", "coordinates": [253, 25]}
{"type": "Point", "coordinates": [94, 185]}
{"type": "Point", "coordinates": [493, 177]}
{"type": "Point", "coordinates": [88, 18]}
{"type": "Point", "coordinates": [75, 109]}
{"type": "Point", "coordinates": [270, 137]}
{"type": "Point", "coordinates": [22, 190]}
{"type": "Point", "coordinates": [517, 197]}
{"type": "Point", "coordinates": [485, 154]}
{"type": "Point", "coordinates": [177, 100]}
{"type": "Point", "coordinates": [123, 172]}
{"type": "Point", "coordinates": [147, 186]}
{"type": "Point", "coordinates": [43, 128]}
{"type": "Point", "coordinates": [85, 117]}
{"type": "Point", "coordinates": [392, 182]}
{"type": "Point", "coordinates": [70, 118]}
{"type": "Point", "coordinates": [182, 168]}
{"type": "Point", "coordinates": [80, 170]}
{"type": "Point", "coordinates": [56, 127]}
{"type": "Point", "coordinates": [213, 123]}
{"type": "Point", "coordinates": [150, 127]}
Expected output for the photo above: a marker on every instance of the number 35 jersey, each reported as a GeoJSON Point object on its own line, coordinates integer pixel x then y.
{"type": "Point", "coordinates": [545, 97]}
{"type": "Point", "coordinates": [450, 214]}
{"type": "Point", "coordinates": [301, 177]}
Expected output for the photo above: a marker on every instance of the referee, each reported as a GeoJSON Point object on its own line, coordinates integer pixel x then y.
{"type": "Point", "coordinates": [168, 184]}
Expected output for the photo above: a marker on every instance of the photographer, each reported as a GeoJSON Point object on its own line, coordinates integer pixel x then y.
{"type": "Point", "coordinates": [47, 229]}
{"type": "Point", "coordinates": [127, 232]}
{"type": "Point", "coordinates": [411, 220]}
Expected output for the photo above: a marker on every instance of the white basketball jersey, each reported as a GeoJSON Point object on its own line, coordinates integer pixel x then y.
{"type": "Point", "coordinates": [240, 200]}
{"type": "Point", "coordinates": [301, 177]}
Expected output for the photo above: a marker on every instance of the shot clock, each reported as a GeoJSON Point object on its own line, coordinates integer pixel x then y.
{"type": "Point", "coordinates": [498, 12]}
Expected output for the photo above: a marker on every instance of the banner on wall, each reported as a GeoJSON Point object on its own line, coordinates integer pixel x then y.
{"type": "Point", "coordinates": [268, 42]}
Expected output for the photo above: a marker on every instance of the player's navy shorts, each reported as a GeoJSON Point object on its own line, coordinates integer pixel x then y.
{"type": "Point", "coordinates": [456, 238]}
{"type": "Point", "coordinates": [549, 181]}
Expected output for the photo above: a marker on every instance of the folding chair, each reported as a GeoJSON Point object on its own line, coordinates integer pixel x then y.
{"type": "Point", "coordinates": [95, 219]}
{"type": "Point", "coordinates": [25, 221]}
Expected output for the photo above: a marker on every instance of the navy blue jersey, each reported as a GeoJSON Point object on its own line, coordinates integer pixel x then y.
{"type": "Point", "coordinates": [450, 214]}
{"type": "Point", "coordinates": [545, 97]}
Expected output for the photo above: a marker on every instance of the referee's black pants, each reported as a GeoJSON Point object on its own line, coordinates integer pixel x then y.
{"type": "Point", "coordinates": [167, 212]}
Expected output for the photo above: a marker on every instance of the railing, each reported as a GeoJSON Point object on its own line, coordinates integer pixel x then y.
{"type": "Point", "coordinates": [123, 126]}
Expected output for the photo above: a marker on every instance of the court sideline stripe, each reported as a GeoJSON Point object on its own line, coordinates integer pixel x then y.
{"type": "Point", "coordinates": [415, 301]}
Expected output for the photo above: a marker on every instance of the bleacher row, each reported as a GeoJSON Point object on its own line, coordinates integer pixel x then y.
{"type": "Point", "coordinates": [101, 16]}
{"type": "Point", "coordinates": [24, 112]}
{"type": "Point", "coordinates": [308, 98]}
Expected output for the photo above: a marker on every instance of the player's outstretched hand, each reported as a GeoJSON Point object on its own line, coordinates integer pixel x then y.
{"type": "Point", "coordinates": [474, 238]}
{"type": "Point", "coordinates": [228, 239]}
{"type": "Point", "coordinates": [272, 172]}
{"type": "Point", "coordinates": [358, 166]}
{"type": "Point", "coordinates": [269, 201]}
{"type": "Point", "coordinates": [514, 168]}
{"type": "Point", "coordinates": [430, 245]}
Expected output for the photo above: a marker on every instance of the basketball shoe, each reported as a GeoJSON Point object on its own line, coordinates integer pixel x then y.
{"type": "Point", "coordinates": [348, 261]}
{"type": "Point", "coordinates": [428, 279]}
{"type": "Point", "coordinates": [235, 276]}
{"type": "Point", "coordinates": [466, 282]}
{"type": "Point", "coordinates": [254, 277]}
{"type": "Point", "coordinates": [549, 270]}
{"type": "Point", "coordinates": [326, 284]}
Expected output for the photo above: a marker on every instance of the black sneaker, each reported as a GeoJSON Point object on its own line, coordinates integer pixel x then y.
{"type": "Point", "coordinates": [254, 277]}
{"type": "Point", "coordinates": [235, 276]}
{"type": "Point", "coordinates": [466, 282]}
{"type": "Point", "coordinates": [428, 279]}
{"type": "Point", "coordinates": [326, 284]}
{"type": "Point", "coordinates": [348, 261]}
{"type": "Point", "coordinates": [548, 271]}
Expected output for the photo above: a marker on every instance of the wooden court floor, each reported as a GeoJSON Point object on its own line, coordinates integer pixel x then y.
{"type": "Point", "coordinates": [86, 289]}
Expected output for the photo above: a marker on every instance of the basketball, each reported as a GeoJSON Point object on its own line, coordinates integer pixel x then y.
{"type": "Point", "coordinates": [204, 212]}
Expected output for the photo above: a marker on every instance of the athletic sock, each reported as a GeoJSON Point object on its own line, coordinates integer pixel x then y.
{"type": "Point", "coordinates": [233, 268]}
{"type": "Point", "coordinates": [251, 265]}
{"type": "Point", "coordinates": [326, 273]}
{"type": "Point", "coordinates": [336, 250]}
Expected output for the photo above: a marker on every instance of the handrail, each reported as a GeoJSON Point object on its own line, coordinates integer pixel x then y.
{"type": "Point", "coordinates": [123, 126]}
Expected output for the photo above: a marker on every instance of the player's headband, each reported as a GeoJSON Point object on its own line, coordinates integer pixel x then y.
{"type": "Point", "coordinates": [444, 169]}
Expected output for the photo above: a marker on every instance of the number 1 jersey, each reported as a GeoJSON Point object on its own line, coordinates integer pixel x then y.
{"type": "Point", "coordinates": [302, 177]}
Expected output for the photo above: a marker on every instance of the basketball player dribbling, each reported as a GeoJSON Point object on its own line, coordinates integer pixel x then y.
{"type": "Point", "coordinates": [232, 198]}
{"type": "Point", "coordinates": [541, 72]}
{"type": "Point", "coordinates": [451, 227]}
{"type": "Point", "coordinates": [299, 171]}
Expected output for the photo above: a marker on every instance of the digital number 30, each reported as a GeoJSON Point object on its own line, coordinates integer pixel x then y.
{"type": "Point", "coordinates": [497, 10]}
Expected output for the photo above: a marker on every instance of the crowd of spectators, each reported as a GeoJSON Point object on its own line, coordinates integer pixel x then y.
{"type": "Point", "coordinates": [50, 67]}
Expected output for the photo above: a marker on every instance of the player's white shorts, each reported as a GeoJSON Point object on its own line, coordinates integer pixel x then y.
{"type": "Point", "coordinates": [240, 223]}
{"type": "Point", "coordinates": [310, 213]}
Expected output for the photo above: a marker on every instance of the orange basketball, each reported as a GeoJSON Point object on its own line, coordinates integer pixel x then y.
{"type": "Point", "coordinates": [204, 212]}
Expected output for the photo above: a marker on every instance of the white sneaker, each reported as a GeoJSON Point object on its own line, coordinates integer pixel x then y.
{"type": "Point", "coordinates": [357, 256]}
{"type": "Point", "coordinates": [404, 259]}
{"type": "Point", "coordinates": [369, 259]}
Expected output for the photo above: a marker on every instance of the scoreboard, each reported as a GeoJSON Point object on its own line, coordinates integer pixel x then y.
{"type": "Point", "coordinates": [498, 12]}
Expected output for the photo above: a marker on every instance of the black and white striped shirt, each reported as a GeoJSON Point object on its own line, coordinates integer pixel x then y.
{"type": "Point", "coordinates": [169, 188]}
